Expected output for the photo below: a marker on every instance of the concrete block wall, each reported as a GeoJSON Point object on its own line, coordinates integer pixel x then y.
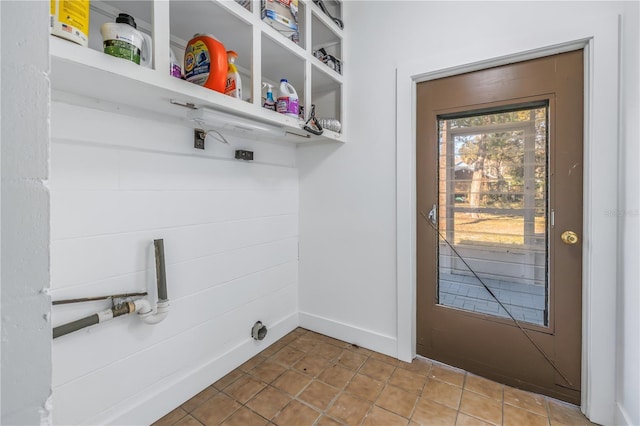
{"type": "Point", "coordinates": [26, 329]}
{"type": "Point", "coordinates": [230, 231]}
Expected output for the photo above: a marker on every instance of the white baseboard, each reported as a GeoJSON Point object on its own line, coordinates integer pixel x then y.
{"type": "Point", "coordinates": [349, 333]}
{"type": "Point", "coordinates": [174, 391]}
{"type": "Point", "coordinates": [622, 417]}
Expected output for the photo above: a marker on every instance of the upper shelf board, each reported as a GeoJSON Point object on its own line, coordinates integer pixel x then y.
{"type": "Point", "coordinates": [89, 73]}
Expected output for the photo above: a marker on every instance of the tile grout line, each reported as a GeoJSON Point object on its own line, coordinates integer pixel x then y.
{"type": "Point", "coordinates": [346, 358]}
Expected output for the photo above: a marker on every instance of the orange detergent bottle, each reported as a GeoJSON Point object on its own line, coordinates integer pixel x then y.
{"type": "Point", "coordinates": [205, 62]}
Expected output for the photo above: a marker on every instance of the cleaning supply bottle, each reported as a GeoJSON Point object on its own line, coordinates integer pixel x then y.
{"type": "Point", "coordinates": [70, 20]}
{"type": "Point", "coordinates": [287, 99]}
{"type": "Point", "coordinates": [174, 66]}
{"type": "Point", "coordinates": [205, 62]}
{"type": "Point", "coordinates": [269, 102]}
{"type": "Point", "coordinates": [123, 40]}
{"type": "Point", "coordinates": [234, 84]}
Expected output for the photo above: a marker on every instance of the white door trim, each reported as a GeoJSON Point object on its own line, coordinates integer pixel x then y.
{"type": "Point", "coordinates": [601, 132]}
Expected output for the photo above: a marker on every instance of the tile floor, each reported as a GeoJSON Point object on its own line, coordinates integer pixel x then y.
{"type": "Point", "coordinates": [309, 379]}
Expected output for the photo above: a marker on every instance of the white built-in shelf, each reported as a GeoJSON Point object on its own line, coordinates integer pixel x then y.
{"type": "Point", "coordinates": [264, 55]}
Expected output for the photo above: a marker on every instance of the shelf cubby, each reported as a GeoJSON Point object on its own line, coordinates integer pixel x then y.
{"type": "Point", "coordinates": [264, 54]}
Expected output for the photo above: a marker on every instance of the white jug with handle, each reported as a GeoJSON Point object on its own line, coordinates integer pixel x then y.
{"type": "Point", "coordinates": [122, 40]}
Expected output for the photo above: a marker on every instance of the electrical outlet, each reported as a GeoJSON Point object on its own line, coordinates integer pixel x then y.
{"type": "Point", "coordinates": [244, 155]}
{"type": "Point", "coordinates": [198, 138]}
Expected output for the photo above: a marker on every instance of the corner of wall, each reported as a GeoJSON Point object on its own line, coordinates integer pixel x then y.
{"type": "Point", "coordinates": [350, 333]}
{"type": "Point", "coordinates": [26, 328]}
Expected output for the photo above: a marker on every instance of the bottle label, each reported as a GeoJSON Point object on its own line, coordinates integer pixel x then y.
{"type": "Point", "coordinates": [122, 49]}
{"type": "Point", "coordinates": [232, 89]}
{"type": "Point", "coordinates": [197, 63]}
{"type": "Point", "coordinates": [74, 14]}
{"type": "Point", "coordinates": [231, 85]}
{"type": "Point", "coordinates": [175, 70]}
{"type": "Point", "coordinates": [287, 105]}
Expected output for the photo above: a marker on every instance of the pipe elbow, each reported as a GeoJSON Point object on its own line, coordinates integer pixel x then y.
{"type": "Point", "coordinates": [148, 315]}
{"type": "Point", "coordinates": [143, 307]}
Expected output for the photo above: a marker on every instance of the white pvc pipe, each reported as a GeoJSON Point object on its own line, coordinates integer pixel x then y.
{"type": "Point", "coordinates": [105, 315]}
{"type": "Point", "coordinates": [151, 314]}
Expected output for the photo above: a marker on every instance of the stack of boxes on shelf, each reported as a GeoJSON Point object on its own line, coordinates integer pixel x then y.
{"type": "Point", "coordinates": [283, 16]}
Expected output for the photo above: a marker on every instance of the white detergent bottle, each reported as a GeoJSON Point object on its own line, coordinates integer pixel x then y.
{"type": "Point", "coordinates": [287, 99]}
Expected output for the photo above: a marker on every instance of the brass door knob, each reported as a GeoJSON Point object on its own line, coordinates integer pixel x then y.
{"type": "Point", "coordinates": [569, 237]}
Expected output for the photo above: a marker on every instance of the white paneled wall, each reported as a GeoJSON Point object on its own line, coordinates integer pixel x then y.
{"type": "Point", "coordinates": [230, 232]}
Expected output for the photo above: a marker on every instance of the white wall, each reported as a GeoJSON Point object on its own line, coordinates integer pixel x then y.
{"type": "Point", "coordinates": [230, 231]}
{"type": "Point", "coordinates": [628, 369]}
{"type": "Point", "coordinates": [347, 220]}
{"type": "Point", "coordinates": [26, 331]}
{"type": "Point", "coordinates": [348, 195]}
{"type": "Point", "coordinates": [0, 212]}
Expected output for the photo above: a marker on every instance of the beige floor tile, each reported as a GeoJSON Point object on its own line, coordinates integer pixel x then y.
{"type": "Point", "coordinates": [378, 370]}
{"type": "Point", "coordinates": [287, 356]}
{"type": "Point", "coordinates": [527, 400]}
{"type": "Point", "coordinates": [245, 417]}
{"type": "Point", "coordinates": [351, 360]}
{"type": "Point", "coordinates": [465, 420]}
{"type": "Point", "coordinates": [305, 343]}
{"type": "Point", "coordinates": [334, 342]}
{"type": "Point", "coordinates": [328, 421]}
{"type": "Point", "coordinates": [267, 371]}
{"type": "Point", "coordinates": [365, 387]}
{"type": "Point", "coordinates": [269, 402]}
{"type": "Point", "coordinates": [417, 366]}
{"type": "Point", "coordinates": [407, 380]}
{"type": "Point", "coordinates": [397, 401]}
{"type": "Point", "coordinates": [201, 397]}
{"type": "Point", "coordinates": [318, 394]}
{"type": "Point", "coordinates": [380, 417]}
{"type": "Point", "coordinates": [215, 410]}
{"type": "Point", "coordinates": [244, 388]}
{"type": "Point", "coordinates": [228, 379]}
{"type": "Point", "coordinates": [292, 382]}
{"type": "Point", "coordinates": [573, 422]}
{"type": "Point", "coordinates": [296, 413]}
{"type": "Point", "coordinates": [484, 386]}
{"type": "Point", "coordinates": [187, 421]}
{"type": "Point", "coordinates": [311, 365]}
{"type": "Point", "coordinates": [293, 336]}
{"type": "Point", "coordinates": [447, 374]}
{"type": "Point", "coordinates": [327, 351]}
{"type": "Point", "coordinates": [566, 414]}
{"type": "Point", "coordinates": [317, 336]}
{"type": "Point", "coordinates": [481, 407]}
{"type": "Point", "coordinates": [306, 378]}
{"type": "Point", "coordinates": [253, 362]}
{"type": "Point", "coordinates": [514, 416]}
{"type": "Point", "coordinates": [349, 409]}
{"type": "Point", "coordinates": [171, 418]}
{"type": "Point", "coordinates": [271, 350]}
{"type": "Point", "coordinates": [360, 350]}
{"type": "Point", "coordinates": [336, 376]}
{"type": "Point", "coordinates": [429, 412]}
{"type": "Point", "coordinates": [443, 393]}
{"type": "Point", "coordinates": [385, 358]}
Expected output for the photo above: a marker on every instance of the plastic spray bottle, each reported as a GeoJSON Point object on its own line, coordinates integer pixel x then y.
{"type": "Point", "coordinates": [269, 102]}
{"type": "Point", "coordinates": [234, 84]}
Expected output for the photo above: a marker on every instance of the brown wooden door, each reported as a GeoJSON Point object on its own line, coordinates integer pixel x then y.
{"type": "Point", "coordinates": [499, 182]}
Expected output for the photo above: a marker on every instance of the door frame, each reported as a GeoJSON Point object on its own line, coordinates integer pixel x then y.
{"type": "Point", "coordinates": [600, 41]}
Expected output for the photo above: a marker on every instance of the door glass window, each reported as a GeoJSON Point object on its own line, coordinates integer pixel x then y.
{"type": "Point", "coordinates": [492, 215]}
